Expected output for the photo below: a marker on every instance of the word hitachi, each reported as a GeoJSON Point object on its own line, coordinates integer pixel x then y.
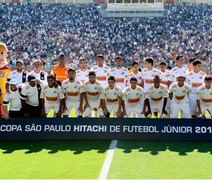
{"type": "Point", "coordinates": [89, 128]}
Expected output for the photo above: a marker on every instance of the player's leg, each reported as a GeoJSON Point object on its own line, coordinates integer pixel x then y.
{"type": "Point", "coordinates": [48, 107]}
{"type": "Point", "coordinates": [175, 109]}
{"type": "Point", "coordinates": [193, 105]}
{"type": "Point", "coordinates": [186, 113]}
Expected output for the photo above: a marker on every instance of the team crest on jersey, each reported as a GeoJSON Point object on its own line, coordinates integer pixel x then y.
{"type": "Point", "coordinates": [122, 73]}
{"type": "Point", "coordinates": [137, 94]}
{"type": "Point", "coordinates": [75, 87]}
{"type": "Point", "coordinates": [160, 92]}
{"type": "Point", "coordinates": [200, 77]}
{"type": "Point", "coordinates": [95, 88]}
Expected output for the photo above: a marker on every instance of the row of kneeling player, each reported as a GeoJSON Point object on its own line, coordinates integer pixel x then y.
{"type": "Point", "coordinates": [91, 99]}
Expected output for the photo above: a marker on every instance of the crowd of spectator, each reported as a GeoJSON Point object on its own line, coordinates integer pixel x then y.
{"type": "Point", "coordinates": [45, 30]}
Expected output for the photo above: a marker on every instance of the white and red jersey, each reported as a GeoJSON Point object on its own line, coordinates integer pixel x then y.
{"type": "Point", "coordinates": [176, 72]}
{"type": "Point", "coordinates": [205, 96]}
{"type": "Point", "coordinates": [138, 76]}
{"type": "Point", "coordinates": [14, 99]}
{"type": "Point", "coordinates": [72, 90]}
{"type": "Point", "coordinates": [111, 96]}
{"type": "Point", "coordinates": [101, 74]}
{"type": "Point", "coordinates": [93, 91]}
{"type": "Point", "coordinates": [133, 96]}
{"type": "Point", "coordinates": [195, 80]}
{"type": "Point", "coordinates": [148, 76]}
{"type": "Point", "coordinates": [165, 77]}
{"type": "Point", "coordinates": [82, 75]}
{"type": "Point", "coordinates": [121, 76]}
{"type": "Point", "coordinates": [180, 94]}
{"type": "Point", "coordinates": [157, 94]}
{"type": "Point", "coordinates": [52, 95]}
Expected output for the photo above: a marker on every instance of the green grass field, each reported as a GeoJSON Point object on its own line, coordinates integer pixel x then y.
{"type": "Point", "coordinates": [84, 160]}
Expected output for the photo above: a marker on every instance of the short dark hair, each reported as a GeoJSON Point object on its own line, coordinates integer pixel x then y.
{"type": "Point", "coordinates": [208, 78]}
{"type": "Point", "coordinates": [71, 70]}
{"type": "Point", "coordinates": [191, 60]}
{"type": "Point", "coordinates": [178, 57]}
{"type": "Point", "coordinates": [134, 63]}
{"type": "Point", "coordinates": [100, 56]}
{"type": "Point", "coordinates": [61, 55]}
{"type": "Point", "coordinates": [118, 57]}
{"type": "Point", "coordinates": [133, 79]}
{"type": "Point", "coordinates": [163, 63]}
{"type": "Point", "coordinates": [50, 76]}
{"type": "Point", "coordinates": [112, 78]}
{"type": "Point", "coordinates": [157, 77]}
{"type": "Point", "coordinates": [149, 60]}
{"type": "Point", "coordinates": [91, 73]}
{"type": "Point", "coordinates": [196, 62]}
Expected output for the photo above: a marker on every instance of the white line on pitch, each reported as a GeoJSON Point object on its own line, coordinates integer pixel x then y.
{"type": "Point", "coordinates": [108, 160]}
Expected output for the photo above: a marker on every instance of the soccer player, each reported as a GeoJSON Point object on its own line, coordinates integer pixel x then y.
{"type": "Point", "coordinates": [165, 75]}
{"type": "Point", "coordinates": [73, 91]}
{"type": "Point", "coordinates": [82, 72]}
{"type": "Point", "coordinates": [178, 93]}
{"type": "Point", "coordinates": [40, 75]}
{"type": "Point", "coordinates": [20, 75]}
{"type": "Point", "coordinates": [60, 71]}
{"type": "Point", "coordinates": [195, 79]}
{"type": "Point", "coordinates": [92, 90]}
{"type": "Point", "coordinates": [190, 64]}
{"type": "Point", "coordinates": [180, 70]}
{"type": "Point", "coordinates": [14, 99]}
{"type": "Point", "coordinates": [133, 99]}
{"type": "Point", "coordinates": [148, 73]}
{"type": "Point", "coordinates": [111, 98]}
{"type": "Point", "coordinates": [156, 98]}
{"type": "Point", "coordinates": [30, 98]}
{"type": "Point", "coordinates": [52, 97]}
{"type": "Point", "coordinates": [204, 97]}
{"type": "Point", "coordinates": [166, 80]}
{"type": "Point", "coordinates": [135, 73]}
{"type": "Point", "coordinates": [119, 72]}
{"type": "Point", "coordinates": [101, 70]}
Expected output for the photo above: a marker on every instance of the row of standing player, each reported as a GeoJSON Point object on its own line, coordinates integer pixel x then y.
{"type": "Point", "coordinates": [195, 78]}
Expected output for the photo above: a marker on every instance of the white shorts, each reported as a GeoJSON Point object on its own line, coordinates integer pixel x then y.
{"type": "Point", "coordinates": [112, 108]}
{"type": "Point", "coordinates": [184, 107]}
{"type": "Point", "coordinates": [70, 106]}
{"type": "Point", "coordinates": [156, 106]}
{"type": "Point", "coordinates": [135, 110]}
{"type": "Point", "coordinates": [55, 107]}
{"type": "Point", "coordinates": [193, 104]}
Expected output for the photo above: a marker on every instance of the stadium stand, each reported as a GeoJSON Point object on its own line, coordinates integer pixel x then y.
{"type": "Point", "coordinates": [44, 30]}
